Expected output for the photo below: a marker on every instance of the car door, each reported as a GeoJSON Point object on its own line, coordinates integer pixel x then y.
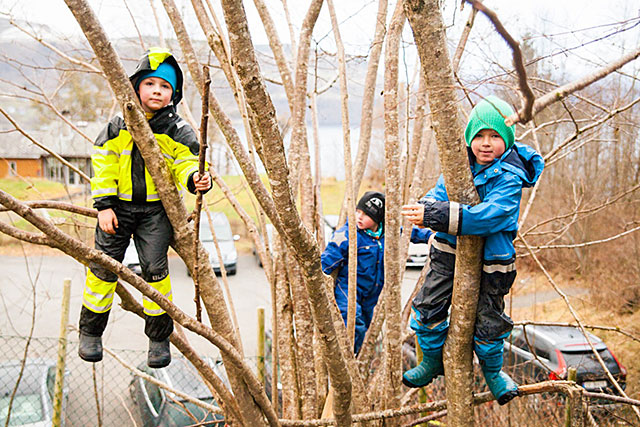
{"type": "Point", "coordinates": [152, 402]}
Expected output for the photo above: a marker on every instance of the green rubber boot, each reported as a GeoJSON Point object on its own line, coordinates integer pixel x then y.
{"type": "Point", "coordinates": [430, 367]}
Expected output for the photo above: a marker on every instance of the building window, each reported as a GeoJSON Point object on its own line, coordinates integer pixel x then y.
{"type": "Point", "coordinates": [13, 169]}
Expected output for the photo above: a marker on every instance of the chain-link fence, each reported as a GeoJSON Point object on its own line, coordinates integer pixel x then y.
{"type": "Point", "coordinates": [105, 393]}
{"type": "Point", "coordinates": [108, 394]}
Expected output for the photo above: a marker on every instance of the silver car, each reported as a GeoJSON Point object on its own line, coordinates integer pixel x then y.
{"type": "Point", "coordinates": [32, 404]}
{"type": "Point", "coordinates": [226, 241]}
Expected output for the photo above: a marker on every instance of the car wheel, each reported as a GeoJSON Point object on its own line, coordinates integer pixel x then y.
{"type": "Point", "coordinates": [231, 271]}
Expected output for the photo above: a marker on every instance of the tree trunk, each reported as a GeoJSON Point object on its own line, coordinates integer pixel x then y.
{"type": "Point", "coordinates": [292, 230]}
{"type": "Point", "coordinates": [428, 31]}
{"type": "Point", "coordinates": [392, 176]}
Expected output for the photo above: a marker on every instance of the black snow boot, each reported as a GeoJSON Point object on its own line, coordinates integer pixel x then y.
{"type": "Point", "coordinates": [90, 348]}
{"type": "Point", "coordinates": [159, 355]}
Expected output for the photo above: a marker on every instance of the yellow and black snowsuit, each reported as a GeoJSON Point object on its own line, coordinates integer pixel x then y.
{"type": "Point", "coordinates": [123, 183]}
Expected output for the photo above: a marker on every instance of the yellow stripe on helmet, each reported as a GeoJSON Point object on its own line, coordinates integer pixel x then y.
{"type": "Point", "coordinates": [157, 55]}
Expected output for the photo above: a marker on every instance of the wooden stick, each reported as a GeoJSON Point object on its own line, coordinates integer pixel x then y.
{"type": "Point", "coordinates": [62, 354]}
{"type": "Point", "coordinates": [201, 169]}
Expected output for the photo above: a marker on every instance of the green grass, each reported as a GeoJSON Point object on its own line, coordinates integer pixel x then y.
{"type": "Point", "coordinates": [32, 188]}
{"type": "Point", "coordinates": [332, 193]}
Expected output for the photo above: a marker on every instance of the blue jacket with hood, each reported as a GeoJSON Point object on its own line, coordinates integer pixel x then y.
{"type": "Point", "coordinates": [495, 218]}
{"type": "Point", "coordinates": [499, 186]}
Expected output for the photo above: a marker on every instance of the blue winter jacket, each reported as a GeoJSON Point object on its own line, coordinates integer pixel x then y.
{"type": "Point", "coordinates": [370, 261]}
{"type": "Point", "coordinates": [499, 186]}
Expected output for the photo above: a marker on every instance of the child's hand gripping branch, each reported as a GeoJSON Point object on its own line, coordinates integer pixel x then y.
{"type": "Point", "coordinates": [414, 213]}
{"type": "Point", "coordinates": [202, 184]}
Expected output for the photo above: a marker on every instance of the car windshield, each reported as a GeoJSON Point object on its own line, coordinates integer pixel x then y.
{"type": "Point", "coordinates": [585, 361]}
{"type": "Point", "coordinates": [222, 229]}
{"type": "Point", "coordinates": [185, 378]}
{"type": "Point", "coordinates": [26, 407]}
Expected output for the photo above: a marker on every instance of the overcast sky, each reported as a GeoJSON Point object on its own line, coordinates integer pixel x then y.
{"type": "Point", "coordinates": [566, 24]}
{"type": "Point", "coordinates": [356, 17]}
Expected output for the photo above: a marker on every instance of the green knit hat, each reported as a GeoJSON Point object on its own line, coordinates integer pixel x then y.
{"type": "Point", "coordinates": [490, 114]}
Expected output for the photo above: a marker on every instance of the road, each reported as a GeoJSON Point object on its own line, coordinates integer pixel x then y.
{"type": "Point", "coordinates": [43, 276]}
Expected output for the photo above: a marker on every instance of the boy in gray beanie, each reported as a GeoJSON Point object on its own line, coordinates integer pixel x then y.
{"type": "Point", "coordinates": [370, 224]}
{"type": "Point", "coordinates": [501, 167]}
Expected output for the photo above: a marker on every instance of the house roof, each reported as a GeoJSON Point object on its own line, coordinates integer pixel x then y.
{"type": "Point", "coordinates": [59, 138]}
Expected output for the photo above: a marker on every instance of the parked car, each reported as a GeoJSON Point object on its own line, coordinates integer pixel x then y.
{"type": "Point", "coordinates": [33, 402]}
{"type": "Point", "coordinates": [226, 241]}
{"type": "Point", "coordinates": [559, 348]}
{"type": "Point", "coordinates": [160, 408]}
{"type": "Point", "coordinates": [417, 254]}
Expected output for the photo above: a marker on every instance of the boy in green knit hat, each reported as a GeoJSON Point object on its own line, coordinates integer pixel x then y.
{"type": "Point", "coordinates": [501, 167]}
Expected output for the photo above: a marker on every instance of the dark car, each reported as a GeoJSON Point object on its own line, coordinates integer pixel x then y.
{"type": "Point", "coordinates": [160, 408]}
{"type": "Point", "coordinates": [559, 348]}
{"type": "Point", "coordinates": [33, 401]}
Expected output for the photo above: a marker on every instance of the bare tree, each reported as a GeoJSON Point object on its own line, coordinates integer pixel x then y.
{"type": "Point", "coordinates": [588, 131]}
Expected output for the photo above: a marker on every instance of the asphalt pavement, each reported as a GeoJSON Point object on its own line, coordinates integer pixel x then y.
{"type": "Point", "coordinates": [39, 278]}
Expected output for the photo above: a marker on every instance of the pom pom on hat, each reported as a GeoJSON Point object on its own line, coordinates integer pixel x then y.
{"type": "Point", "coordinates": [490, 114]}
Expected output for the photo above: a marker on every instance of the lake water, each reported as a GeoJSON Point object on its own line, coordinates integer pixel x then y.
{"type": "Point", "coordinates": [331, 150]}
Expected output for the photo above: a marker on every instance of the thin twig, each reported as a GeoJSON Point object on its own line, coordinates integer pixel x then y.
{"type": "Point", "coordinates": [563, 91]}
{"type": "Point", "coordinates": [201, 170]}
{"type": "Point", "coordinates": [525, 113]}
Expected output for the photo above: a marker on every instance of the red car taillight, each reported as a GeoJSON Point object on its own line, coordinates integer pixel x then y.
{"type": "Point", "coordinates": [561, 372]}
{"type": "Point", "coordinates": [623, 370]}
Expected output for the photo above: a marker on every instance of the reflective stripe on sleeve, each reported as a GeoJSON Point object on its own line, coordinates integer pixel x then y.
{"type": "Point", "coordinates": [454, 215]}
{"type": "Point", "coordinates": [125, 196]}
{"type": "Point", "coordinates": [105, 152]}
{"type": "Point", "coordinates": [103, 192]}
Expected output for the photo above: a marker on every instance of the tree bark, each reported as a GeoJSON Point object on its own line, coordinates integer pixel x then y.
{"type": "Point", "coordinates": [428, 31]}
{"type": "Point", "coordinates": [392, 354]}
{"type": "Point", "coordinates": [291, 405]}
{"type": "Point", "coordinates": [296, 236]}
